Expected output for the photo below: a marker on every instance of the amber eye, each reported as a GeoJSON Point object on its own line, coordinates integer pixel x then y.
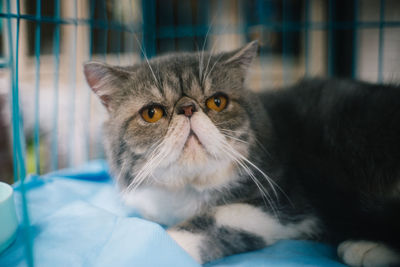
{"type": "Point", "coordinates": [217, 102]}
{"type": "Point", "coordinates": [152, 114]}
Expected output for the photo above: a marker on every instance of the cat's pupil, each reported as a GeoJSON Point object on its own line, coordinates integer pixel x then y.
{"type": "Point", "coordinates": [217, 101]}
{"type": "Point", "coordinates": [151, 113]}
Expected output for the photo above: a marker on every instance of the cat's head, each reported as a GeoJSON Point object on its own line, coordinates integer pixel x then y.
{"type": "Point", "coordinates": [180, 119]}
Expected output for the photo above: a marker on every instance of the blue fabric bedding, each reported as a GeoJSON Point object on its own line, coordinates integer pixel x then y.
{"type": "Point", "coordinates": [78, 219]}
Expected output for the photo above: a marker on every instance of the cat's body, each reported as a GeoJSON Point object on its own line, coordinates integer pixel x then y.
{"type": "Point", "coordinates": [341, 142]}
{"type": "Point", "coordinates": [231, 171]}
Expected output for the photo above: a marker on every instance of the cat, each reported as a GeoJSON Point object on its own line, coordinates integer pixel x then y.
{"type": "Point", "coordinates": [229, 170]}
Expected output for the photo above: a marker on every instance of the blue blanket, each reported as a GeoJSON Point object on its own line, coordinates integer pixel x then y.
{"type": "Point", "coordinates": [77, 219]}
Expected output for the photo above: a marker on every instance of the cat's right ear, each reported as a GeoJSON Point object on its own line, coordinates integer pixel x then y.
{"type": "Point", "coordinates": [242, 57]}
{"type": "Point", "coordinates": [105, 81]}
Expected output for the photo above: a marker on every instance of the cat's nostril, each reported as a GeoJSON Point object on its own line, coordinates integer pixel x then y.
{"type": "Point", "coordinates": [187, 110]}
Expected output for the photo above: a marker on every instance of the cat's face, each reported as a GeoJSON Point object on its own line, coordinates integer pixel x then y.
{"type": "Point", "coordinates": [181, 119]}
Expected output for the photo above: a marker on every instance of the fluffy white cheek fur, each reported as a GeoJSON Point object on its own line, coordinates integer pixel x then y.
{"type": "Point", "coordinates": [208, 134]}
{"type": "Point", "coordinates": [174, 141]}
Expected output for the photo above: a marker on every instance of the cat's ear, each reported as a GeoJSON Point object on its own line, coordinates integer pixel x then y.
{"type": "Point", "coordinates": [243, 56]}
{"type": "Point", "coordinates": [105, 81]}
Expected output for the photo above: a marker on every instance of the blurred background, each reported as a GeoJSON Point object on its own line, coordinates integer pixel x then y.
{"type": "Point", "coordinates": [49, 118]}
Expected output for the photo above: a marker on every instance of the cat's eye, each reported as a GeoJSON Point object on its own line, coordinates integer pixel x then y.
{"type": "Point", "coordinates": [217, 102]}
{"type": "Point", "coordinates": [152, 113]}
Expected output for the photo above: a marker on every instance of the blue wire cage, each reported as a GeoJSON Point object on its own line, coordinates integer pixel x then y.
{"type": "Point", "coordinates": [55, 123]}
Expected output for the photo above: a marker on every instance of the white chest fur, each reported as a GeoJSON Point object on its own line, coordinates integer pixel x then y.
{"type": "Point", "coordinates": [165, 206]}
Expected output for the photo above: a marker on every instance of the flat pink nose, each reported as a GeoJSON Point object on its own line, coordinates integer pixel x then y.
{"type": "Point", "coordinates": [187, 110]}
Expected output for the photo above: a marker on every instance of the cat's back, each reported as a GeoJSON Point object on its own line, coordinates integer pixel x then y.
{"type": "Point", "coordinates": [329, 99]}
{"type": "Point", "coordinates": [337, 114]}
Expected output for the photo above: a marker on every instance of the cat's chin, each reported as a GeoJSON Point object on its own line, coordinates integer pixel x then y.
{"type": "Point", "coordinates": [211, 175]}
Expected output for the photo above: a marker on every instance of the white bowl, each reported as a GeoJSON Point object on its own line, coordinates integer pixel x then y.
{"type": "Point", "coordinates": [8, 221]}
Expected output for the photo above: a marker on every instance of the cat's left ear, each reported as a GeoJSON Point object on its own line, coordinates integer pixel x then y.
{"type": "Point", "coordinates": [242, 57]}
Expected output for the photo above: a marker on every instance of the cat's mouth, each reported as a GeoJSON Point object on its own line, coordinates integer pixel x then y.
{"type": "Point", "coordinates": [192, 138]}
{"type": "Point", "coordinates": [193, 151]}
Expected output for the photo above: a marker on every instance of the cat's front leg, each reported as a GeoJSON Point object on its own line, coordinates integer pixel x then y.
{"type": "Point", "coordinates": [236, 228]}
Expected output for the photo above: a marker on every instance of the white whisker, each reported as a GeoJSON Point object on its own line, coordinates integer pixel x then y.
{"type": "Point", "coordinates": [202, 53]}
{"type": "Point", "coordinates": [215, 63]}
{"type": "Point", "coordinates": [271, 182]}
{"type": "Point", "coordinates": [232, 131]}
{"type": "Point", "coordinates": [154, 159]}
{"type": "Point", "coordinates": [201, 61]}
{"type": "Point", "coordinates": [211, 54]}
{"type": "Point", "coordinates": [209, 59]}
{"type": "Point", "coordinates": [142, 50]}
{"type": "Point", "coordinates": [235, 138]}
{"type": "Point", "coordinates": [264, 193]}
{"type": "Point", "coordinates": [241, 132]}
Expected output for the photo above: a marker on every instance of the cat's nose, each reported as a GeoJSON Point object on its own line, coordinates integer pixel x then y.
{"type": "Point", "coordinates": [187, 109]}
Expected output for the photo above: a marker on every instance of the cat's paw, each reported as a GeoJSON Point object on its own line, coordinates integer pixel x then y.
{"type": "Point", "coordinates": [367, 254]}
{"type": "Point", "coordinates": [190, 242]}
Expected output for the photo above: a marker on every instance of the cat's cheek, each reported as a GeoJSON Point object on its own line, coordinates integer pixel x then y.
{"type": "Point", "coordinates": [207, 133]}
{"type": "Point", "coordinates": [190, 242]}
{"type": "Point", "coordinates": [233, 118]}
{"type": "Point", "coordinates": [175, 139]}
{"type": "Point", "coordinates": [146, 133]}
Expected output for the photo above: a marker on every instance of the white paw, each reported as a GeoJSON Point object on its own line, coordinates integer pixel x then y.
{"type": "Point", "coordinates": [367, 254]}
{"type": "Point", "coordinates": [189, 242]}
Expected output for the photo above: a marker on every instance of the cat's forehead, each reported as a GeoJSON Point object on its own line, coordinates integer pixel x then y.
{"type": "Point", "coordinates": [182, 82]}
{"type": "Point", "coordinates": [173, 77]}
